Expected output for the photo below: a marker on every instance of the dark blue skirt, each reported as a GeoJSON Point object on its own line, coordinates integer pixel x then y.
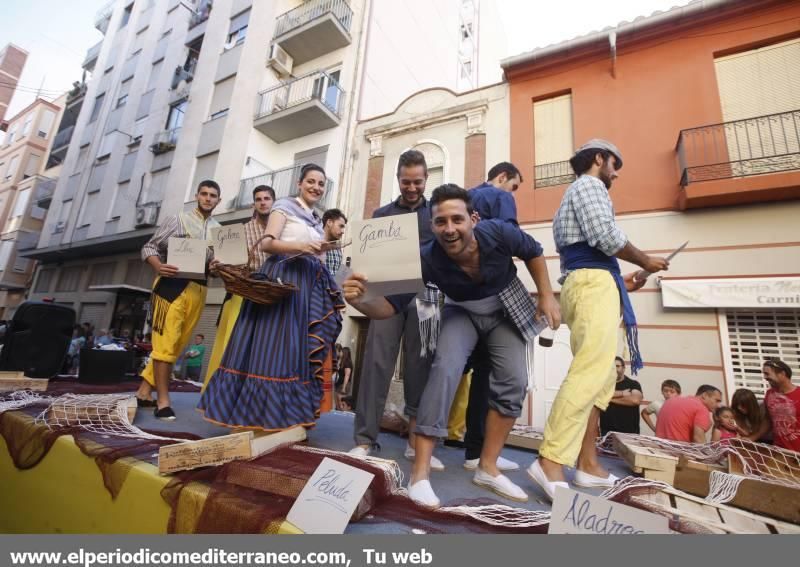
{"type": "Point", "coordinates": [270, 377]}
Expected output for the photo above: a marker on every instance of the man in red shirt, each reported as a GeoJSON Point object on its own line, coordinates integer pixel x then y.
{"type": "Point", "coordinates": [688, 418]}
{"type": "Point", "coordinates": [783, 404]}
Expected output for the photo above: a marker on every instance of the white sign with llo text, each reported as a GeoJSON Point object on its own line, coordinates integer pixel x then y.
{"type": "Point", "coordinates": [189, 256]}
{"type": "Point", "coordinates": [329, 498]}
{"type": "Point", "coordinates": [577, 513]}
{"type": "Point", "coordinates": [386, 250]}
{"type": "Point", "coordinates": [230, 244]}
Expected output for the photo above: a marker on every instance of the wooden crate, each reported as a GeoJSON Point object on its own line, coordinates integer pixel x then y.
{"type": "Point", "coordinates": [525, 438]}
{"type": "Point", "coordinates": [650, 463]}
{"type": "Point", "coordinates": [719, 518]}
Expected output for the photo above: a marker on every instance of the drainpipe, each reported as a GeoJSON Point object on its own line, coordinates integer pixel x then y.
{"type": "Point", "coordinates": [612, 44]}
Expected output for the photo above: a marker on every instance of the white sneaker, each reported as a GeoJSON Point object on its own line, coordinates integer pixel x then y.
{"type": "Point", "coordinates": [359, 451]}
{"type": "Point", "coordinates": [436, 464]}
{"type": "Point", "coordinates": [499, 484]}
{"type": "Point", "coordinates": [586, 480]}
{"type": "Point", "coordinates": [537, 475]}
{"type": "Point", "coordinates": [422, 493]}
{"type": "Point", "coordinates": [502, 464]}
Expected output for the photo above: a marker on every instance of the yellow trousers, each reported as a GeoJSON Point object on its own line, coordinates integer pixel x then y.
{"type": "Point", "coordinates": [590, 306]}
{"type": "Point", "coordinates": [183, 315]}
{"type": "Point", "coordinates": [457, 420]}
{"type": "Point", "coordinates": [227, 321]}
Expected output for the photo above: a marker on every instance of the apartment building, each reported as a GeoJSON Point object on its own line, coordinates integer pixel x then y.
{"type": "Point", "coordinates": [12, 62]}
{"type": "Point", "coordinates": [25, 179]}
{"type": "Point", "coordinates": [704, 103]}
{"type": "Point", "coordinates": [241, 91]}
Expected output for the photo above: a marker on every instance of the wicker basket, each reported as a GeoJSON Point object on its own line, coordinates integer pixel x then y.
{"type": "Point", "coordinates": [238, 281]}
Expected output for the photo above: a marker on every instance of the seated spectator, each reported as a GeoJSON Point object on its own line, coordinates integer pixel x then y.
{"type": "Point", "coordinates": [782, 401]}
{"type": "Point", "coordinates": [688, 419]}
{"type": "Point", "coordinates": [669, 389]}
{"type": "Point", "coordinates": [724, 424]}
{"type": "Point", "coordinates": [103, 339]}
{"type": "Point", "coordinates": [750, 415]}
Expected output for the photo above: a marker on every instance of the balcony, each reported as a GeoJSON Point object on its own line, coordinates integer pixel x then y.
{"type": "Point", "coordinates": [743, 161]}
{"type": "Point", "coordinates": [103, 16]}
{"type": "Point", "coordinates": [284, 182]}
{"type": "Point", "coordinates": [91, 56]}
{"type": "Point", "coordinates": [552, 174]}
{"type": "Point", "coordinates": [313, 29]}
{"type": "Point", "coordinates": [199, 21]}
{"type": "Point", "coordinates": [43, 190]}
{"type": "Point", "coordinates": [62, 139]}
{"type": "Point", "coordinates": [305, 105]}
{"type": "Point", "coordinates": [165, 141]}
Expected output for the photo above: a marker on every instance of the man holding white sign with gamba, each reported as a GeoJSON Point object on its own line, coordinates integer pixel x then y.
{"type": "Point", "coordinates": [473, 264]}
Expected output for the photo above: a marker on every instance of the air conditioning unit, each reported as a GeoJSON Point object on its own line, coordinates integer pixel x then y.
{"type": "Point", "coordinates": [279, 60]}
{"type": "Point", "coordinates": [146, 215]}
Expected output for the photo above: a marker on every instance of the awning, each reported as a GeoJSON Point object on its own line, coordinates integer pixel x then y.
{"type": "Point", "coordinates": [119, 287]}
{"type": "Point", "coordinates": [764, 293]}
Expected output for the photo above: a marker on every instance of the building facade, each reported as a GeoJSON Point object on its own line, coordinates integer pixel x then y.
{"type": "Point", "coordinates": [25, 180]}
{"type": "Point", "coordinates": [12, 62]}
{"type": "Point", "coordinates": [240, 91]}
{"type": "Point", "coordinates": [704, 103]}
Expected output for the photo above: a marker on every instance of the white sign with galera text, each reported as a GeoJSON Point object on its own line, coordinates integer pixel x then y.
{"type": "Point", "coordinates": [386, 250]}
{"type": "Point", "coordinates": [230, 244]}
{"type": "Point", "coordinates": [329, 498]}
{"type": "Point", "coordinates": [578, 513]}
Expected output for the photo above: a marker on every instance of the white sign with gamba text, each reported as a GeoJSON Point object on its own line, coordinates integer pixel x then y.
{"type": "Point", "coordinates": [230, 244]}
{"type": "Point", "coordinates": [577, 513]}
{"type": "Point", "coordinates": [329, 498]}
{"type": "Point", "coordinates": [386, 250]}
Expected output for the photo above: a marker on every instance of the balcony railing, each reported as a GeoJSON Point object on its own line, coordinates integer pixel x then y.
{"type": "Point", "coordinates": [103, 16]}
{"type": "Point", "coordinates": [753, 146]}
{"type": "Point", "coordinates": [312, 10]}
{"type": "Point", "coordinates": [43, 191]}
{"type": "Point", "coordinates": [284, 182]}
{"type": "Point", "coordinates": [63, 138]}
{"type": "Point", "coordinates": [91, 55]}
{"type": "Point", "coordinates": [550, 174]}
{"type": "Point", "coordinates": [315, 86]}
{"type": "Point", "coordinates": [165, 141]}
{"type": "Point", "coordinates": [202, 13]}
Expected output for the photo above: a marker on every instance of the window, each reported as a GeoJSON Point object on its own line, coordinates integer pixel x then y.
{"type": "Point", "coordinates": [44, 281]}
{"type": "Point", "coordinates": [21, 203]}
{"type": "Point", "coordinates": [6, 249]}
{"type": "Point", "coordinates": [126, 16]}
{"type": "Point", "coordinates": [238, 30]}
{"type": "Point", "coordinates": [98, 105]}
{"type": "Point", "coordinates": [102, 274]}
{"type": "Point", "coordinates": [123, 200]}
{"type": "Point", "coordinates": [26, 127]}
{"type": "Point", "coordinates": [755, 336]}
{"type": "Point", "coordinates": [46, 123]}
{"type": "Point", "coordinates": [69, 279]}
{"type": "Point", "coordinates": [176, 114]}
{"type": "Point", "coordinates": [11, 134]}
{"type": "Point", "coordinates": [32, 166]}
{"type": "Point", "coordinates": [124, 90]}
{"type": "Point", "coordinates": [553, 146]}
{"type": "Point", "coordinates": [12, 168]}
{"type": "Point", "coordinates": [155, 73]}
{"type": "Point", "coordinates": [63, 216]}
{"type": "Point", "coordinates": [223, 91]}
{"type": "Point", "coordinates": [89, 209]}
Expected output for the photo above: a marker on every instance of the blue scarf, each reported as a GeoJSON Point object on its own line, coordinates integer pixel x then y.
{"type": "Point", "coordinates": [291, 206]}
{"type": "Point", "coordinates": [581, 255]}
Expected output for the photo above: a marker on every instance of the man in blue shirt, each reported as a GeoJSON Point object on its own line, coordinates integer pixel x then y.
{"type": "Point", "coordinates": [473, 265]}
{"type": "Point", "coordinates": [384, 337]}
{"type": "Point", "coordinates": [491, 200]}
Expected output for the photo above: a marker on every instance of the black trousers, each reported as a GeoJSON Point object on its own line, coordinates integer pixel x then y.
{"type": "Point", "coordinates": [478, 404]}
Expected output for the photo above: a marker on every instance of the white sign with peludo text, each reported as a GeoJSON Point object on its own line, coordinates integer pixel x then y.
{"type": "Point", "coordinates": [230, 244]}
{"type": "Point", "coordinates": [329, 498]}
{"type": "Point", "coordinates": [386, 250]}
{"type": "Point", "coordinates": [189, 256]}
{"type": "Point", "coordinates": [577, 513]}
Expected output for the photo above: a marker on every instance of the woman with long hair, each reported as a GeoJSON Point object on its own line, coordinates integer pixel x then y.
{"type": "Point", "coordinates": [271, 375]}
{"type": "Point", "coordinates": [748, 413]}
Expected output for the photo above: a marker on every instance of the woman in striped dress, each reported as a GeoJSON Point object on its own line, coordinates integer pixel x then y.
{"type": "Point", "coordinates": [270, 377]}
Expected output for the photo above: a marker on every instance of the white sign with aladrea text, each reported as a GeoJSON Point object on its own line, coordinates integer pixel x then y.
{"type": "Point", "coordinates": [230, 244]}
{"type": "Point", "coordinates": [329, 498]}
{"type": "Point", "coordinates": [577, 513]}
{"type": "Point", "coordinates": [386, 250]}
{"type": "Point", "coordinates": [189, 256]}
